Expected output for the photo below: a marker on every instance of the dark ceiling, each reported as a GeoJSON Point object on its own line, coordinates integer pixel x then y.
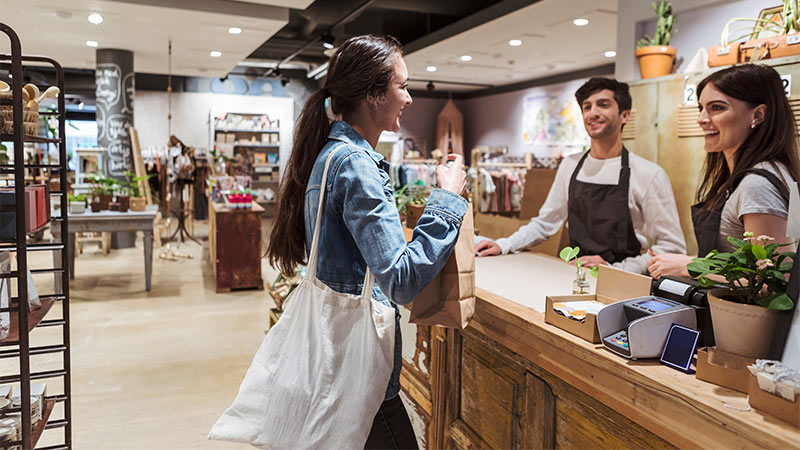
{"type": "Point", "coordinates": [407, 20]}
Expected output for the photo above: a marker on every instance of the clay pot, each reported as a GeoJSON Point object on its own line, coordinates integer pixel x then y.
{"type": "Point", "coordinates": [744, 330]}
{"type": "Point", "coordinates": [104, 200]}
{"type": "Point", "coordinates": [113, 206]}
{"type": "Point", "coordinates": [96, 207]}
{"type": "Point", "coordinates": [413, 213]}
{"type": "Point", "coordinates": [138, 204]}
{"type": "Point", "coordinates": [655, 60]}
{"type": "Point", "coordinates": [124, 202]}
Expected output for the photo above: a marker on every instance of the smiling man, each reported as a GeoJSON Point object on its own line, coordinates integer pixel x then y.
{"type": "Point", "coordinates": [616, 203]}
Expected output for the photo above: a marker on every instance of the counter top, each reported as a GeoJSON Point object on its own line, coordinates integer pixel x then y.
{"type": "Point", "coordinates": [510, 300]}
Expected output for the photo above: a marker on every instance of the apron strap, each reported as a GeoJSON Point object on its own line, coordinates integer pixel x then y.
{"type": "Point", "coordinates": [311, 271]}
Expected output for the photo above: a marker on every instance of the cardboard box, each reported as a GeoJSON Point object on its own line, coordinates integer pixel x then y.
{"type": "Point", "coordinates": [772, 404]}
{"type": "Point", "coordinates": [613, 285]}
{"type": "Point", "coordinates": [723, 368]}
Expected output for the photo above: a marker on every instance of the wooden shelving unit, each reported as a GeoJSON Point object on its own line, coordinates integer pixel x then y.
{"type": "Point", "coordinates": [16, 346]}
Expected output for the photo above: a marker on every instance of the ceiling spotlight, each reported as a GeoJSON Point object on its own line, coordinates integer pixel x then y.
{"type": "Point", "coordinates": [430, 86]}
{"type": "Point", "coordinates": [284, 81]}
{"type": "Point", "coordinates": [234, 30]}
{"type": "Point", "coordinates": [466, 58]}
{"type": "Point", "coordinates": [80, 105]}
{"type": "Point", "coordinates": [580, 22]}
{"type": "Point", "coordinates": [95, 18]}
{"type": "Point", "coordinates": [515, 42]}
{"type": "Point", "coordinates": [610, 54]}
{"type": "Point", "coordinates": [327, 40]}
{"type": "Point", "coordinates": [215, 53]}
{"type": "Point", "coordinates": [92, 43]}
{"type": "Point", "coordinates": [431, 68]}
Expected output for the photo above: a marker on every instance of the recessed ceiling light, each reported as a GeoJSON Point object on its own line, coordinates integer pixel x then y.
{"type": "Point", "coordinates": [328, 45]}
{"type": "Point", "coordinates": [610, 54]}
{"type": "Point", "coordinates": [215, 54]}
{"type": "Point", "coordinates": [92, 43]}
{"type": "Point", "coordinates": [580, 22]}
{"type": "Point", "coordinates": [95, 18]}
{"type": "Point", "coordinates": [431, 68]}
{"type": "Point", "coordinates": [466, 58]}
{"type": "Point", "coordinates": [515, 42]}
{"type": "Point", "coordinates": [234, 30]}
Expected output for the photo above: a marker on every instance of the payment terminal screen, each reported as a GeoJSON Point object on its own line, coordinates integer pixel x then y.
{"type": "Point", "coordinates": [655, 305]}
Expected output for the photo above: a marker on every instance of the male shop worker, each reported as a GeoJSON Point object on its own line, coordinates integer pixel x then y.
{"type": "Point", "coordinates": [615, 202]}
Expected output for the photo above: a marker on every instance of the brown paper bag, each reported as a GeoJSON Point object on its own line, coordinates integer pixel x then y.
{"type": "Point", "coordinates": [449, 300]}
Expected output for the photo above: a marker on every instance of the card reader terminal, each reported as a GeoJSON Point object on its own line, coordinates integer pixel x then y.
{"type": "Point", "coordinates": [638, 312]}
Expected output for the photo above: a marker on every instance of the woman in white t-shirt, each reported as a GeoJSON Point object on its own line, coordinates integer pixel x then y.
{"type": "Point", "coordinates": [752, 157]}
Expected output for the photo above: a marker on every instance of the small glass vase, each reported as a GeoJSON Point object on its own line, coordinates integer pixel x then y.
{"type": "Point", "coordinates": [580, 285]}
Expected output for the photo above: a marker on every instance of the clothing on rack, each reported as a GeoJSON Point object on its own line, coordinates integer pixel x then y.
{"type": "Point", "coordinates": [500, 191]}
{"type": "Point", "coordinates": [413, 173]}
{"type": "Point", "coordinates": [450, 129]}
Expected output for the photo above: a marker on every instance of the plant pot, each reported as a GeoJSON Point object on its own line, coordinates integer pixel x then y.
{"type": "Point", "coordinates": [744, 330]}
{"type": "Point", "coordinates": [103, 201]}
{"type": "Point", "coordinates": [138, 204]}
{"type": "Point", "coordinates": [413, 213]}
{"type": "Point", "coordinates": [124, 202]}
{"type": "Point", "coordinates": [97, 207]}
{"type": "Point", "coordinates": [77, 207]}
{"type": "Point", "coordinates": [655, 60]}
{"type": "Point", "coordinates": [113, 206]}
{"type": "Point", "coordinates": [742, 52]}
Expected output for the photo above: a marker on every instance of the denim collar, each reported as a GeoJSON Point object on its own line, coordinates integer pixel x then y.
{"type": "Point", "coordinates": [342, 131]}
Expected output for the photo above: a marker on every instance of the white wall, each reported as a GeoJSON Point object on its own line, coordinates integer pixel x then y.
{"type": "Point", "coordinates": [190, 116]}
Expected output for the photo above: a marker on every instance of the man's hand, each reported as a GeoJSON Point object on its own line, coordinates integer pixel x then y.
{"type": "Point", "coordinates": [487, 248]}
{"type": "Point", "coordinates": [590, 261]}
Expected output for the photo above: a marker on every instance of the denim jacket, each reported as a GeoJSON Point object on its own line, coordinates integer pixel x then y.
{"type": "Point", "coordinates": [361, 226]}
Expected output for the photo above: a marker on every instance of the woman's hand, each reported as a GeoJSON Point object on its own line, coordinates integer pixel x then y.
{"type": "Point", "coordinates": [452, 178]}
{"type": "Point", "coordinates": [668, 264]}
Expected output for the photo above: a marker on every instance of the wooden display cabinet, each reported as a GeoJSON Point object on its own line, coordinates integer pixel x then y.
{"type": "Point", "coordinates": [234, 243]}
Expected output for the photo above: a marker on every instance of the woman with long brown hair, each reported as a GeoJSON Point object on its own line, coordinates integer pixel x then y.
{"type": "Point", "coordinates": [752, 157]}
{"type": "Point", "coordinates": [366, 88]}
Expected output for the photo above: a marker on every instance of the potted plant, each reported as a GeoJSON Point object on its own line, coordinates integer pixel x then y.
{"type": "Point", "coordinates": [123, 198]}
{"type": "Point", "coordinates": [769, 37]}
{"type": "Point", "coordinates": [77, 203]}
{"type": "Point", "coordinates": [744, 314]}
{"type": "Point", "coordinates": [99, 191]}
{"type": "Point", "coordinates": [580, 285]}
{"type": "Point", "coordinates": [410, 201]}
{"type": "Point", "coordinates": [655, 55]}
{"type": "Point", "coordinates": [137, 200]}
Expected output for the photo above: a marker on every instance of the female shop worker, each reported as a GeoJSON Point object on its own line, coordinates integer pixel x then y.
{"type": "Point", "coordinates": [367, 87]}
{"type": "Point", "coordinates": [615, 202]}
{"type": "Point", "coordinates": [752, 156]}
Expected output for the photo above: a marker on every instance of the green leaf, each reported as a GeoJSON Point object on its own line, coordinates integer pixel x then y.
{"type": "Point", "coordinates": [736, 241]}
{"type": "Point", "coordinates": [759, 252]}
{"type": "Point", "coordinates": [574, 253]}
{"type": "Point", "coordinates": [564, 254]}
{"type": "Point", "coordinates": [780, 302]}
{"type": "Point", "coordinates": [593, 271]}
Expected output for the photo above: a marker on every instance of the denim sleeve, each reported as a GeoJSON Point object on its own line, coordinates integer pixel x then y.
{"type": "Point", "coordinates": [401, 270]}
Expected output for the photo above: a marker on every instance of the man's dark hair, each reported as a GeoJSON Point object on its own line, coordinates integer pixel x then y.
{"type": "Point", "coordinates": [621, 92]}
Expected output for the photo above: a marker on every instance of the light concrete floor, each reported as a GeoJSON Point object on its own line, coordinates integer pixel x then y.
{"type": "Point", "coordinates": [153, 370]}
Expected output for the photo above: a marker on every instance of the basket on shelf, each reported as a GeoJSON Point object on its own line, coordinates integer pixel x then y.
{"type": "Point", "coordinates": [30, 118]}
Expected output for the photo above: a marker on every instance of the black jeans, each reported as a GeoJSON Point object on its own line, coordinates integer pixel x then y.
{"type": "Point", "coordinates": [391, 428]}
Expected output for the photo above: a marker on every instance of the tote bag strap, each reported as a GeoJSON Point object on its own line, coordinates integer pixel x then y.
{"type": "Point", "coordinates": [311, 271]}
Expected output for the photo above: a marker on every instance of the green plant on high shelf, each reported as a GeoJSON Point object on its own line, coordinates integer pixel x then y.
{"type": "Point", "coordinates": [664, 25]}
{"type": "Point", "coordinates": [580, 285]}
{"type": "Point", "coordinates": [744, 313]}
{"type": "Point", "coordinates": [789, 14]}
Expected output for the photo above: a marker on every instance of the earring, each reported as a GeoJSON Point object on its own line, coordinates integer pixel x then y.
{"type": "Point", "coordinates": [753, 124]}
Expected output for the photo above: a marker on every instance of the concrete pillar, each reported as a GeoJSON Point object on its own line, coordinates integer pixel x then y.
{"type": "Point", "coordinates": [114, 80]}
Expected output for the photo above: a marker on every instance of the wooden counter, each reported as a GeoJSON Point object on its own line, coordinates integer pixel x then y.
{"type": "Point", "coordinates": [512, 381]}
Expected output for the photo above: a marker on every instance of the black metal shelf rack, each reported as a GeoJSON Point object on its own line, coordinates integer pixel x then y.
{"type": "Point", "coordinates": [17, 345]}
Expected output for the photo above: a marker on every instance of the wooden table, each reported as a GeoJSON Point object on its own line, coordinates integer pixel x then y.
{"type": "Point", "coordinates": [510, 380]}
{"type": "Point", "coordinates": [234, 246]}
{"type": "Point", "coordinates": [110, 221]}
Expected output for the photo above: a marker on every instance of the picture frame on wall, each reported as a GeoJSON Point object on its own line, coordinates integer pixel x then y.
{"type": "Point", "coordinates": [771, 14]}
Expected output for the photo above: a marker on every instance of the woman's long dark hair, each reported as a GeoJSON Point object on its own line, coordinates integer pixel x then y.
{"type": "Point", "coordinates": [363, 67]}
{"type": "Point", "coordinates": [773, 140]}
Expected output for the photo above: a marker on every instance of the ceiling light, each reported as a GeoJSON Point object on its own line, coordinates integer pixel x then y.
{"type": "Point", "coordinates": [431, 68]}
{"type": "Point", "coordinates": [95, 18]}
{"type": "Point", "coordinates": [466, 58]}
{"type": "Point", "coordinates": [610, 54]}
{"type": "Point", "coordinates": [234, 30]}
{"type": "Point", "coordinates": [327, 40]}
{"type": "Point", "coordinates": [80, 105]}
{"type": "Point", "coordinates": [580, 22]}
{"type": "Point", "coordinates": [92, 43]}
{"type": "Point", "coordinates": [327, 45]}
{"type": "Point", "coordinates": [215, 53]}
{"type": "Point", "coordinates": [515, 42]}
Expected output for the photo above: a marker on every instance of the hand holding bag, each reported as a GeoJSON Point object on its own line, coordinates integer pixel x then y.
{"type": "Point", "coordinates": [449, 300]}
{"type": "Point", "coordinates": [321, 373]}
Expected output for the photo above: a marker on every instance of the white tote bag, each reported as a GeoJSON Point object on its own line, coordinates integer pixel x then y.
{"type": "Point", "coordinates": [321, 373]}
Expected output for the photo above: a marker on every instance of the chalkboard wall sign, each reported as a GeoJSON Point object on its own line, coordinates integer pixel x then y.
{"type": "Point", "coordinates": [114, 91]}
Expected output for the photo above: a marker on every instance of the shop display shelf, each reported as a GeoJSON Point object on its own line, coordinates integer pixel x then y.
{"type": "Point", "coordinates": [263, 145]}
{"type": "Point", "coordinates": [34, 317]}
{"type": "Point", "coordinates": [10, 138]}
{"type": "Point", "coordinates": [267, 165]}
{"type": "Point", "coordinates": [49, 404]}
{"type": "Point", "coordinates": [42, 246]}
{"type": "Point", "coordinates": [242, 130]}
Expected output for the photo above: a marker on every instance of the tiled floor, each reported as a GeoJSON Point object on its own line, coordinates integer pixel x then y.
{"type": "Point", "coordinates": [154, 370]}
